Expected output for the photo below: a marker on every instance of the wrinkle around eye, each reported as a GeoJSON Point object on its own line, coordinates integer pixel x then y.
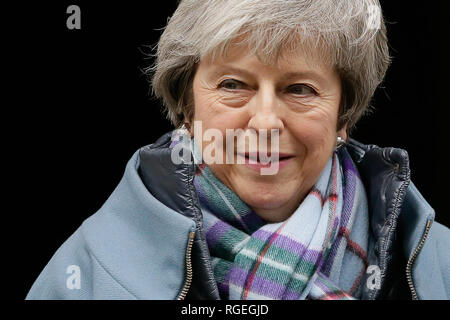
{"type": "Point", "coordinates": [317, 111]}
{"type": "Point", "coordinates": [233, 97]}
{"type": "Point", "coordinates": [302, 102]}
{"type": "Point", "coordinates": [233, 100]}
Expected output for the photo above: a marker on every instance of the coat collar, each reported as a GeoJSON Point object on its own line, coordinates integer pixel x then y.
{"type": "Point", "coordinates": [386, 175]}
{"type": "Point", "coordinates": [173, 185]}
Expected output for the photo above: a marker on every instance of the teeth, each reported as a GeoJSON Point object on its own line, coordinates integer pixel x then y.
{"type": "Point", "coordinates": [257, 158]}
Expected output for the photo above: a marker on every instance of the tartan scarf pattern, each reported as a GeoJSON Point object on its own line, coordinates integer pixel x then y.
{"type": "Point", "coordinates": [319, 252]}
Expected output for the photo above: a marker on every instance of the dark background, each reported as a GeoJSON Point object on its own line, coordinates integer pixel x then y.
{"type": "Point", "coordinates": [80, 107]}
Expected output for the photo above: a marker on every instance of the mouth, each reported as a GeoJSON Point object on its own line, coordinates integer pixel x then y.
{"type": "Point", "coordinates": [253, 161]}
{"type": "Point", "coordinates": [272, 157]}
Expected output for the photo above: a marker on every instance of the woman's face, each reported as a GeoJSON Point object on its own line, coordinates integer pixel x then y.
{"type": "Point", "coordinates": [298, 98]}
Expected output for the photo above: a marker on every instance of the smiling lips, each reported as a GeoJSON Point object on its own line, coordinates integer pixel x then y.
{"type": "Point", "coordinates": [252, 159]}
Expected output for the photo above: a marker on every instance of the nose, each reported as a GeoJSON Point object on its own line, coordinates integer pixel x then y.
{"type": "Point", "coordinates": [265, 111]}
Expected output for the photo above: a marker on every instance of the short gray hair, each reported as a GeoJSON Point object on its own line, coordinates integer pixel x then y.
{"type": "Point", "coordinates": [350, 35]}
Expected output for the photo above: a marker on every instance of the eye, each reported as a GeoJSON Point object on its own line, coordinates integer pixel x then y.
{"type": "Point", "coordinates": [301, 89]}
{"type": "Point", "coordinates": [231, 84]}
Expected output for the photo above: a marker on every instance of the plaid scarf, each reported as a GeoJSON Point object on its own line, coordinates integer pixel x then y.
{"type": "Point", "coordinates": [319, 252]}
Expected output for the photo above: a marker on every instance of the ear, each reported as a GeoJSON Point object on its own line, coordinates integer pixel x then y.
{"type": "Point", "coordinates": [343, 132]}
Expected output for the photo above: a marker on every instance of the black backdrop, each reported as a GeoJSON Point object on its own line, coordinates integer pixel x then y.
{"type": "Point", "coordinates": [81, 107]}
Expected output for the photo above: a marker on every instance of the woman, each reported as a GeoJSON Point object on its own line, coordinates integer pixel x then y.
{"type": "Point", "coordinates": [256, 85]}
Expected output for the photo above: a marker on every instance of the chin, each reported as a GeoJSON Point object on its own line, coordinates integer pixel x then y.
{"type": "Point", "coordinates": [265, 199]}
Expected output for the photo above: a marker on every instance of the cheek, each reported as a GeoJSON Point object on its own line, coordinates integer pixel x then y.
{"type": "Point", "coordinates": [315, 132]}
{"type": "Point", "coordinates": [312, 134]}
{"type": "Point", "coordinates": [210, 109]}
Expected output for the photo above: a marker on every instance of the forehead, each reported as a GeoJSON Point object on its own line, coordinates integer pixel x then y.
{"type": "Point", "coordinates": [289, 59]}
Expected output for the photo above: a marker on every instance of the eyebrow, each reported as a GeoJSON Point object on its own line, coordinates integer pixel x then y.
{"type": "Point", "coordinates": [310, 74]}
{"type": "Point", "coordinates": [305, 74]}
{"type": "Point", "coordinates": [227, 68]}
